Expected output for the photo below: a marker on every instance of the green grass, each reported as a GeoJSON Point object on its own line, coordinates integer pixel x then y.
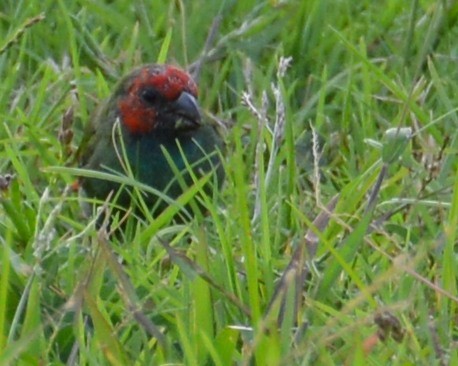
{"type": "Point", "coordinates": [244, 284]}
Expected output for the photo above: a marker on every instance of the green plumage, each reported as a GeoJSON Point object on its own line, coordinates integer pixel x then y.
{"type": "Point", "coordinates": [176, 127]}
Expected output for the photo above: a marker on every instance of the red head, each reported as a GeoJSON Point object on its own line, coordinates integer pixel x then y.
{"type": "Point", "coordinates": [157, 96]}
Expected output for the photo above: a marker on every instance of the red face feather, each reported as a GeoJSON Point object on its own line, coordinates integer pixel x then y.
{"type": "Point", "coordinates": [169, 81]}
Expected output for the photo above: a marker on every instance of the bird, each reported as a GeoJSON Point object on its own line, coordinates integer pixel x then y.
{"type": "Point", "coordinates": [155, 108]}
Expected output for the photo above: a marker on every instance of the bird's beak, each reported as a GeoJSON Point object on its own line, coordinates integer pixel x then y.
{"type": "Point", "coordinates": [187, 109]}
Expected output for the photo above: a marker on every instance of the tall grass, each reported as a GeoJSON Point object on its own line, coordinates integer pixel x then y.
{"type": "Point", "coordinates": [331, 240]}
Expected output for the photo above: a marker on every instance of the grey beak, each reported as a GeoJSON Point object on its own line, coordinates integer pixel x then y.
{"type": "Point", "coordinates": [187, 108]}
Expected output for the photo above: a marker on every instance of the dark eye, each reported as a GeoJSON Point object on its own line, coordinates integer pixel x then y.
{"type": "Point", "coordinates": [150, 96]}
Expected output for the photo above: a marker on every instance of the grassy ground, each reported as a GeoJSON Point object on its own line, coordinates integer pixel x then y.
{"type": "Point", "coordinates": [275, 274]}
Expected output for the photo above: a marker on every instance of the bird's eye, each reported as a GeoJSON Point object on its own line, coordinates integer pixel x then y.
{"type": "Point", "coordinates": [150, 96]}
